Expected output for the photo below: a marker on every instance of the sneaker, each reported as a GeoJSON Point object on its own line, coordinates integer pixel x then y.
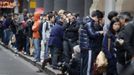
{"type": "Point", "coordinates": [24, 53]}
{"type": "Point", "coordinates": [16, 51]}
{"type": "Point", "coordinates": [15, 48]}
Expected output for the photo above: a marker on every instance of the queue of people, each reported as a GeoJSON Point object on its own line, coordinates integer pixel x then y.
{"type": "Point", "coordinates": [70, 43]}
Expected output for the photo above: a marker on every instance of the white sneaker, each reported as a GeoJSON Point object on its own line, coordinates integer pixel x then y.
{"type": "Point", "coordinates": [25, 53]}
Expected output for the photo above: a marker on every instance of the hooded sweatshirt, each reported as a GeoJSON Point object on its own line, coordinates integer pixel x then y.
{"type": "Point", "coordinates": [35, 27]}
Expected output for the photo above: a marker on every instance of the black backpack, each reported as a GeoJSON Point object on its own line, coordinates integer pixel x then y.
{"type": "Point", "coordinates": [40, 28]}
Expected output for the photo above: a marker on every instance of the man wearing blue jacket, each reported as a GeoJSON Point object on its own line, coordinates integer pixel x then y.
{"type": "Point", "coordinates": [55, 41]}
{"type": "Point", "coordinates": [90, 42]}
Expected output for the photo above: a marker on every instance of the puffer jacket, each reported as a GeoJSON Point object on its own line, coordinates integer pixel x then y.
{"type": "Point", "coordinates": [83, 37]}
{"type": "Point", "coordinates": [83, 34]}
{"type": "Point", "coordinates": [95, 38]}
{"type": "Point", "coordinates": [90, 38]}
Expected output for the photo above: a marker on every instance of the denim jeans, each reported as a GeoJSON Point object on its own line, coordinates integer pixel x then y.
{"type": "Point", "coordinates": [37, 49]}
{"type": "Point", "coordinates": [54, 55]}
{"type": "Point", "coordinates": [46, 51]}
{"type": "Point", "coordinates": [67, 51]}
{"type": "Point", "coordinates": [26, 45]}
{"type": "Point", "coordinates": [7, 36]}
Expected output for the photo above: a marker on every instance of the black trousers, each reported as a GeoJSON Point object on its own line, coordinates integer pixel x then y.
{"type": "Point", "coordinates": [68, 50]}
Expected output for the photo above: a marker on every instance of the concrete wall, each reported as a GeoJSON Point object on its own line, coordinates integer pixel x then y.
{"type": "Point", "coordinates": [39, 3]}
{"type": "Point", "coordinates": [125, 5]}
{"type": "Point", "coordinates": [120, 5]}
{"type": "Point", "coordinates": [84, 7]}
{"type": "Point", "coordinates": [76, 6]}
{"type": "Point", "coordinates": [97, 5]}
{"type": "Point", "coordinates": [60, 4]}
{"type": "Point", "coordinates": [87, 5]}
{"type": "Point", "coordinates": [48, 5]}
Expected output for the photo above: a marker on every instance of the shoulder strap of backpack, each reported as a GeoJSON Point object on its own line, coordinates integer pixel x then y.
{"type": "Point", "coordinates": [46, 26]}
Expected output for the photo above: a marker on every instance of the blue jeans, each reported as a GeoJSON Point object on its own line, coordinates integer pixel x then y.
{"type": "Point", "coordinates": [7, 36]}
{"type": "Point", "coordinates": [37, 50]}
{"type": "Point", "coordinates": [46, 51]}
{"type": "Point", "coordinates": [26, 45]}
{"type": "Point", "coordinates": [54, 55]}
{"type": "Point", "coordinates": [68, 50]}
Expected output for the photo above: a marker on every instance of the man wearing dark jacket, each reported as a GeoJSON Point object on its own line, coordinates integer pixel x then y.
{"type": "Point", "coordinates": [94, 35]}
{"type": "Point", "coordinates": [128, 38]}
{"type": "Point", "coordinates": [55, 41]}
{"type": "Point", "coordinates": [70, 37]}
{"type": "Point", "coordinates": [123, 56]}
{"type": "Point", "coordinates": [7, 31]}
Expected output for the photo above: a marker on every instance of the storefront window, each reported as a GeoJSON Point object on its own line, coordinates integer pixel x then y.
{"type": "Point", "coordinates": [6, 4]}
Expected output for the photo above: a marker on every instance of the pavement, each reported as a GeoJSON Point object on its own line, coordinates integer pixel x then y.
{"type": "Point", "coordinates": [14, 65]}
{"type": "Point", "coordinates": [48, 70]}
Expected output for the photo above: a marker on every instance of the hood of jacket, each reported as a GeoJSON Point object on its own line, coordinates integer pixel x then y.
{"type": "Point", "coordinates": [37, 16]}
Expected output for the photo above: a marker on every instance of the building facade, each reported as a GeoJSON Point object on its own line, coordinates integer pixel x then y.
{"type": "Point", "coordinates": [77, 6]}
{"type": "Point", "coordinates": [83, 7]}
{"type": "Point", "coordinates": [119, 5]}
{"type": "Point", "coordinates": [6, 6]}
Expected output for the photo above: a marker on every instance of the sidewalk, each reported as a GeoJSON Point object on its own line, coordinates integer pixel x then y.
{"type": "Point", "coordinates": [29, 59]}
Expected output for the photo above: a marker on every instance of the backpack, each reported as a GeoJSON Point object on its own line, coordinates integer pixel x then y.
{"type": "Point", "coordinates": [40, 29]}
{"type": "Point", "coordinates": [47, 28]}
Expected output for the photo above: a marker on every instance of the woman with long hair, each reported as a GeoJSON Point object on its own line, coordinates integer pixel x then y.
{"type": "Point", "coordinates": [109, 47]}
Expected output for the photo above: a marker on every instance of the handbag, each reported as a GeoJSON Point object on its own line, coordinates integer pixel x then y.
{"type": "Point", "coordinates": [101, 60]}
